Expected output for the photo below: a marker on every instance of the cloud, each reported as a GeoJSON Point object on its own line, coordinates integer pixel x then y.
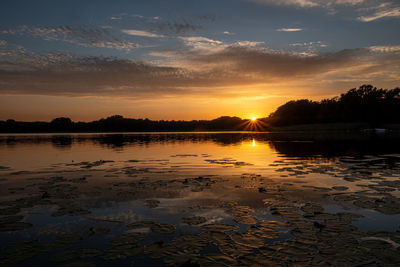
{"type": "Point", "coordinates": [310, 3]}
{"type": "Point", "coordinates": [88, 76]}
{"type": "Point", "coordinates": [205, 44]}
{"type": "Point", "coordinates": [126, 16]}
{"type": "Point", "coordinates": [309, 44]}
{"type": "Point", "coordinates": [142, 33]}
{"type": "Point", "coordinates": [382, 12]}
{"type": "Point", "coordinates": [200, 39]}
{"type": "Point", "coordinates": [202, 44]}
{"type": "Point", "coordinates": [164, 26]}
{"type": "Point", "coordinates": [366, 10]}
{"type": "Point", "coordinates": [177, 27]}
{"type": "Point", "coordinates": [301, 3]}
{"type": "Point", "coordinates": [269, 65]}
{"type": "Point", "coordinates": [83, 36]}
{"type": "Point", "coordinates": [222, 72]}
{"type": "Point", "coordinates": [385, 48]}
{"type": "Point", "coordinates": [307, 48]}
{"type": "Point", "coordinates": [182, 25]}
{"type": "Point", "coordinates": [289, 30]}
{"type": "Point", "coordinates": [17, 58]}
{"type": "Point", "coordinates": [248, 43]}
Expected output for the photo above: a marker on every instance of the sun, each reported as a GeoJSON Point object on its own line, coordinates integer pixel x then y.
{"type": "Point", "coordinates": [254, 124]}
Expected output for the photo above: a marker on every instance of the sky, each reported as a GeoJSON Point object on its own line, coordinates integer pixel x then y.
{"type": "Point", "coordinates": [186, 59]}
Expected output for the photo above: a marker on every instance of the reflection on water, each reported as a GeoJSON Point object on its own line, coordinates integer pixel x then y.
{"type": "Point", "coordinates": [200, 198]}
{"type": "Point", "coordinates": [327, 145]}
{"type": "Point", "coordinates": [309, 143]}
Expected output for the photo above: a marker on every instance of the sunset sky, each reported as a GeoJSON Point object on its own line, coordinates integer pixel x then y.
{"type": "Point", "coordinates": [188, 60]}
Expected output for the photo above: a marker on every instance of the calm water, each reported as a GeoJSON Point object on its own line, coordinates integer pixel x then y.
{"type": "Point", "coordinates": [199, 198]}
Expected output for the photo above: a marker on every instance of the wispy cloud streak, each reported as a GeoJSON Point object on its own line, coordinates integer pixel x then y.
{"type": "Point", "coordinates": [380, 12]}
{"type": "Point", "coordinates": [83, 36]}
{"type": "Point", "coordinates": [366, 10]}
{"type": "Point", "coordinates": [289, 30]}
{"type": "Point", "coordinates": [310, 3]}
{"type": "Point", "coordinates": [142, 33]}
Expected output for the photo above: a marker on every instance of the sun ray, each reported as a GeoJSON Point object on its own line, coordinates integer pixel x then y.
{"type": "Point", "coordinates": [254, 124]}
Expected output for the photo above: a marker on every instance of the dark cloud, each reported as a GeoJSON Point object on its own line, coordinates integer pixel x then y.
{"type": "Point", "coordinates": [89, 76]}
{"type": "Point", "coordinates": [183, 24]}
{"type": "Point", "coordinates": [170, 25]}
{"type": "Point", "coordinates": [177, 27]}
{"type": "Point", "coordinates": [198, 74]}
{"type": "Point", "coordinates": [278, 64]}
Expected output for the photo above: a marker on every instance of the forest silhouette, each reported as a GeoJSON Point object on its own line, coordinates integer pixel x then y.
{"type": "Point", "coordinates": [365, 104]}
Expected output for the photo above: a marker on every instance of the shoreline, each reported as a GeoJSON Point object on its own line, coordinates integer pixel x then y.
{"type": "Point", "coordinates": [315, 127]}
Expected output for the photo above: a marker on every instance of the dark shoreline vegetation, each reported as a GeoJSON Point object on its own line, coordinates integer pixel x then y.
{"type": "Point", "coordinates": [365, 107]}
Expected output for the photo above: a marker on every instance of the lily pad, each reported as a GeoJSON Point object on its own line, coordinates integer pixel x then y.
{"type": "Point", "coordinates": [340, 188]}
{"type": "Point", "coordinates": [219, 227]}
{"type": "Point", "coordinates": [194, 220]}
{"type": "Point", "coordinates": [141, 224]}
{"type": "Point", "coordinates": [247, 240]}
{"type": "Point", "coordinates": [163, 228]}
{"type": "Point", "coordinates": [14, 226]}
{"type": "Point", "coordinates": [152, 203]}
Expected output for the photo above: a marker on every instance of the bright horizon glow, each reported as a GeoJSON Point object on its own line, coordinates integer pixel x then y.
{"type": "Point", "coordinates": [173, 60]}
{"type": "Point", "coordinates": [253, 118]}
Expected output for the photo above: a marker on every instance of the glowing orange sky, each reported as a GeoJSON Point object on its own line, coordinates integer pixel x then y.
{"type": "Point", "coordinates": [192, 60]}
{"type": "Point", "coordinates": [87, 109]}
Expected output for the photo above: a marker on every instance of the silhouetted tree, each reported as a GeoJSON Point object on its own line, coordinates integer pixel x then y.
{"type": "Point", "coordinates": [61, 124]}
{"type": "Point", "coordinates": [295, 112]}
{"type": "Point", "coordinates": [365, 104]}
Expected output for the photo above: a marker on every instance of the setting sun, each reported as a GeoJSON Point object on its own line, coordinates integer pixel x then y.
{"type": "Point", "coordinates": [253, 118]}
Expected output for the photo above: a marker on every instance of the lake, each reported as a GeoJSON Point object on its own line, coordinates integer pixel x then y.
{"type": "Point", "coordinates": [200, 199]}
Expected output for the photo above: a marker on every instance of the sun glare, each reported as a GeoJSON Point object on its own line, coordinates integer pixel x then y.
{"type": "Point", "coordinates": [254, 124]}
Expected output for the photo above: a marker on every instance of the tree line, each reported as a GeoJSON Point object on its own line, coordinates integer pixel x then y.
{"type": "Point", "coordinates": [118, 123]}
{"type": "Point", "coordinates": [365, 104]}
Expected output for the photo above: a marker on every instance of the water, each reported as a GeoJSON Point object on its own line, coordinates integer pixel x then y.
{"type": "Point", "coordinates": [82, 198]}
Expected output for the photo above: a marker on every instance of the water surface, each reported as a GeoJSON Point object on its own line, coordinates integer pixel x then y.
{"type": "Point", "coordinates": [200, 198]}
